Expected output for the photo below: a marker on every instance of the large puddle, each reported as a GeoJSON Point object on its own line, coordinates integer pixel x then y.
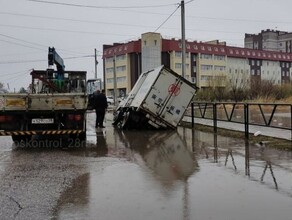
{"type": "Point", "coordinates": [178, 175]}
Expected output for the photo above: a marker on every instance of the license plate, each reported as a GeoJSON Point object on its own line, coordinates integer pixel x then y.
{"type": "Point", "coordinates": [42, 121]}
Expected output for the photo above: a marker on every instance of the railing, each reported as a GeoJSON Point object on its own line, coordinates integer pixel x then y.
{"type": "Point", "coordinates": [271, 115]}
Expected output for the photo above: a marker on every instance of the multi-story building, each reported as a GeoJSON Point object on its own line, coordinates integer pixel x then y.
{"type": "Point", "coordinates": [271, 40]}
{"type": "Point", "coordinates": [209, 64]}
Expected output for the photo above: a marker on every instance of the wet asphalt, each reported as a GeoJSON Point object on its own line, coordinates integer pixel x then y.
{"type": "Point", "coordinates": [183, 174]}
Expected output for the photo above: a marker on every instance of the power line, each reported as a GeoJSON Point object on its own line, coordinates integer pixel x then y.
{"type": "Point", "coordinates": [74, 20]}
{"type": "Point", "coordinates": [18, 72]}
{"type": "Point", "coordinates": [19, 44]}
{"type": "Point", "coordinates": [167, 19]}
{"type": "Point", "coordinates": [14, 77]}
{"type": "Point", "coordinates": [130, 25]}
{"type": "Point", "coordinates": [60, 30]}
{"type": "Point", "coordinates": [42, 60]}
{"type": "Point", "coordinates": [99, 7]}
{"type": "Point", "coordinates": [10, 37]}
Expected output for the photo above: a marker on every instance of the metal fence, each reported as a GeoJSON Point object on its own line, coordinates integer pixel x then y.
{"type": "Point", "coordinates": [260, 114]}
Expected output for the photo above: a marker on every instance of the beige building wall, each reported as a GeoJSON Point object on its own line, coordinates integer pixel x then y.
{"type": "Point", "coordinates": [122, 76]}
{"type": "Point", "coordinates": [176, 63]}
{"type": "Point", "coordinates": [211, 70]}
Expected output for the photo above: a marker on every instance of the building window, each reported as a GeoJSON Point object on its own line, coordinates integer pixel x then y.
{"type": "Point", "coordinates": [219, 57]}
{"type": "Point", "coordinates": [109, 60]}
{"type": "Point", "coordinates": [206, 78]}
{"type": "Point", "coordinates": [121, 79]}
{"type": "Point", "coordinates": [110, 70]}
{"type": "Point", "coordinates": [206, 67]}
{"type": "Point", "coordinates": [178, 65]}
{"type": "Point", "coordinates": [121, 57]}
{"type": "Point", "coordinates": [219, 68]}
{"type": "Point", "coordinates": [110, 80]}
{"type": "Point", "coordinates": [121, 68]}
{"type": "Point", "coordinates": [178, 53]}
{"type": "Point", "coordinates": [206, 56]}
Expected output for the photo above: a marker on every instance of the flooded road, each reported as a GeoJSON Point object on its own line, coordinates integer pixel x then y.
{"type": "Point", "coordinates": [146, 175]}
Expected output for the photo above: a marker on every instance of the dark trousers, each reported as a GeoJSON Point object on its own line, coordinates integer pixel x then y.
{"type": "Point", "coordinates": [100, 113]}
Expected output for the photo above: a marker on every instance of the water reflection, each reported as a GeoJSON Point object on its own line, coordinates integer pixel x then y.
{"type": "Point", "coordinates": [101, 144]}
{"type": "Point", "coordinates": [165, 153]}
{"type": "Point", "coordinates": [256, 159]}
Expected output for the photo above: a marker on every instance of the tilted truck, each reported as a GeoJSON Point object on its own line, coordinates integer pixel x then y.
{"type": "Point", "coordinates": [55, 105]}
{"type": "Point", "coordinates": [158, 100]}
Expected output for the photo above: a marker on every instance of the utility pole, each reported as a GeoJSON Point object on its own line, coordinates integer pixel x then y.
{"type": "Point", "coordinates": [115, 80]}
{"type": "Point", "coordinates": [95, 62]}
{"type": "Point", "coordinates": [183, 38]}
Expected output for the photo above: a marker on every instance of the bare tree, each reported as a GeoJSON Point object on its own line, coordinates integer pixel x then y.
{"type": "Point", "coordinates": [217, 85]}
{"type": "Point", "coordinates": [261, 88]}
{"type": "Point", "coordinates": [238, 86]}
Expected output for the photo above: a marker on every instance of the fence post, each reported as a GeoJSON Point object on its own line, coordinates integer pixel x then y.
{"type": "Point", "coordinates": [215, 117]}
{"type": "Point", "coordinates": [192, 114]}
{"type": "Point", "coordinates": [246, 121]}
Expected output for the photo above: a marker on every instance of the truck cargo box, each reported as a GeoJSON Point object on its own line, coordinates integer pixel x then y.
{"type": "Point", "coordinates": [159, 99]}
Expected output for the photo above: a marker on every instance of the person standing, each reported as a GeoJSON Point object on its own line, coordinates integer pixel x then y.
{"type": "Point", "coordinates": [100, 106]}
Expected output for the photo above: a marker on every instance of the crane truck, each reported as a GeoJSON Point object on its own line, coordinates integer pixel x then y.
{"type": "Point", "coordinates": [56, 104]}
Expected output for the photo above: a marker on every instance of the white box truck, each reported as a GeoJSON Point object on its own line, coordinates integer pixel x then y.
{"type": "Point", "coordinates": [159, 99]}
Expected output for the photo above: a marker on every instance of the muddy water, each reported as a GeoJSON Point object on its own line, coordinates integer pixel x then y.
{"type": "Point", "coordinates": [178, 175]}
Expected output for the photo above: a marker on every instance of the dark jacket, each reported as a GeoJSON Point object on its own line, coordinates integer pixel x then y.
{"type": "Point", "coordinates": [100, 101]}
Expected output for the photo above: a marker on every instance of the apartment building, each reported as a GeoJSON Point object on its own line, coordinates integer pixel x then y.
{"type": "Point", "coordinates": [270, 40]}
{"type": "Point", "coordinates": [208, 64]}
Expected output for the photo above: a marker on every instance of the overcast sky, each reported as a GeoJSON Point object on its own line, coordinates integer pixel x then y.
{"type": "Point", "coordinates": [76, 27]}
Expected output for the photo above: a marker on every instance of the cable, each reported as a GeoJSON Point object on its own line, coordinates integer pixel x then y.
{"type": "Point", "coordinates": [99, 7]}
{"type": "Point", "coordinates": [5, 74]}
{"type": "Point", "coordinates": [10, 37]}
{"type": "Point", "coordinates": [167, 18]}
{"type": "Point", "coordinates": [120, 24]}
{"type": "Point", "coordinates": [42, 60]}
{"type": "Point", "coordinates": [14, 43]}
{"type": "Point", "coordinates": [17, 76]}
{"type": "Point", "coordinates": [60, 30]}
{"type": "Point", "coordinates": [74, 20]}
